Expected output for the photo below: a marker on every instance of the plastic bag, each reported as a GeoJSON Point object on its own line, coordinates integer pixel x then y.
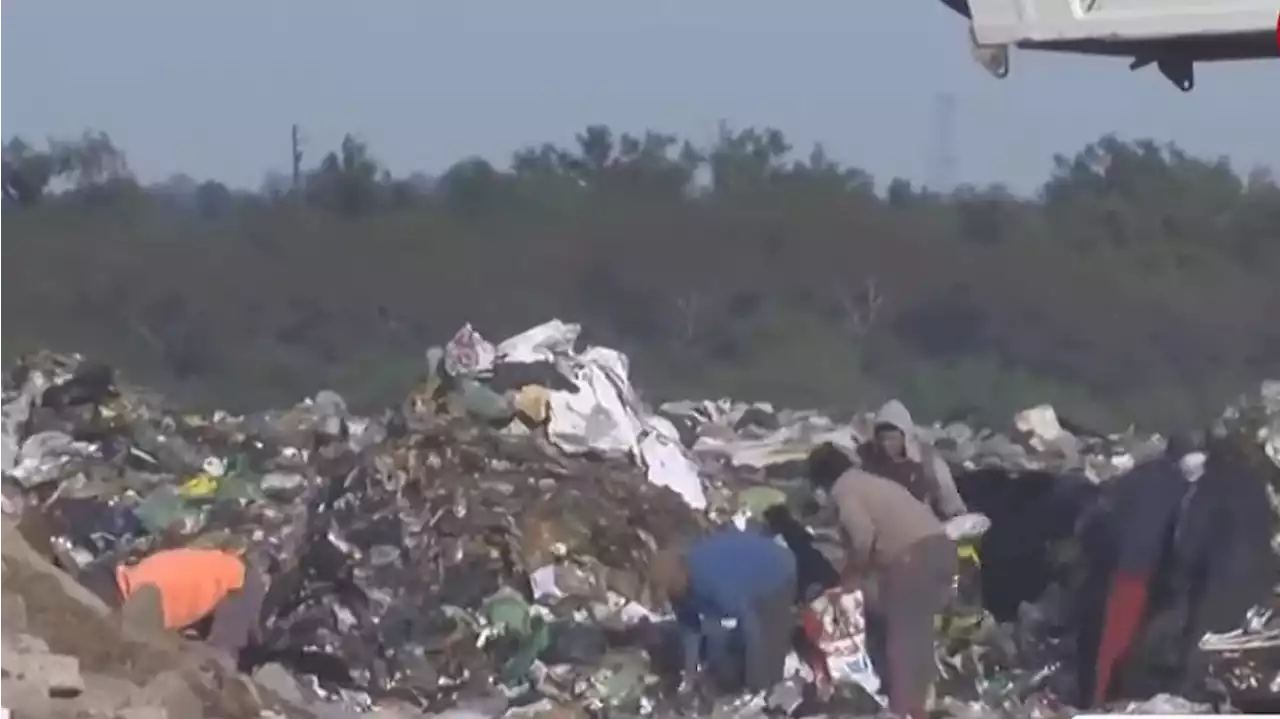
{"type": "Point", "coordinates": [967, 527]}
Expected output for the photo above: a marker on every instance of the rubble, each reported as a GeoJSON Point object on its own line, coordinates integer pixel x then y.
{"type": "Point", "coordinates": [755, 436]}
{"type": "Point", "coordinates": [63, 657]}
{"type": "Point", "coordinates": [480, 550]}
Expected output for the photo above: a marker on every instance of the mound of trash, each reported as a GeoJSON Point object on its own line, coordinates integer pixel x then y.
{"type": "Point", "coordinates": [482, 548]}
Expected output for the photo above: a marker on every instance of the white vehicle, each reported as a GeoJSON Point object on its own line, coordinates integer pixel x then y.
{"type": "Point", "coordinates": [1171, 34]}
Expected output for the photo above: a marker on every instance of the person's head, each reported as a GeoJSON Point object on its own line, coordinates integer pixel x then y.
{"type": "Point", "coordinates": [778, 520]}
{"type": "Point", "coordinates": [891, 440]}
{"type": "Point", "coordinates": [669, 573]}
{"type": "Point", "coordinates": [1180, 444]}
{"type": "Point", "coordinates": [1188, 450]}
{"type": "Point", "coordinates": [825, 465]}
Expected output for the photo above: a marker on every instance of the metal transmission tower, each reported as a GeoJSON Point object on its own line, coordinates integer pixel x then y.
{"type": "Point", "coordinates": [296, 142]}
{"type": "Point", "coordinates": [944, 161]}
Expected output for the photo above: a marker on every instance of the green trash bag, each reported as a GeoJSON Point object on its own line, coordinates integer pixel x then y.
{"type": "Point", "coordinates": [509, 614]}
{"type": "Point", "coordinates": [164, 509]}
{"type": "Point", "coordinates": [480, 402]}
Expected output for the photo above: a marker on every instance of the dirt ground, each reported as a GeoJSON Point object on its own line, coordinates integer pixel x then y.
{"type": "Point", "coordinates": [71, 628]}
{"type": "Point", "coordinates": [74, 623]}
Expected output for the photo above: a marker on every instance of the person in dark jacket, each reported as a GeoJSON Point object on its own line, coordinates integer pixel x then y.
{"type": "Point", "coordinates": [897, 550]}
{"type": "Point", "coordinates": [1223, 540]}
{"type": "Point", "coordinates": [1126, 542]}
{"type": "Point", "coordinates": [1214, 564]}
{"type": "Point", "coordinates": [736, 575]}
{"type": "Point", "coordinates": [815, 576]}
{"type": "Point", "coordinates": [897, 453]}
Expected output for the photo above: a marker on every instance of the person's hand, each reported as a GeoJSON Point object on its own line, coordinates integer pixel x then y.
{"type": "Point", "coordinates": [824, 688]}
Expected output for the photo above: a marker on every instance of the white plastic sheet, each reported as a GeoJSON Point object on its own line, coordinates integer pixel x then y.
{"type": "Point", "coordinates": [15, 414]}
{"type": "Point", "coordinates": [788, 444]}
{"type": "Point", "coordinates": [603, 414]}
{"type": "Point", "coordinates": [1167, 705]}
{"type": "Point", "coordinates": [1041, 421]}
{"type": "Point", "coordinates": [967, 526]}
{"type": "Point", "coordinates": [43, 453]}
{"type": "Point", "coordinates": [542, 581]}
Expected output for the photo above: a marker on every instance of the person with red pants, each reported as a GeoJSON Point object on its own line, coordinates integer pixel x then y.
{"type": "Point", "coordinates": [1126, 543]}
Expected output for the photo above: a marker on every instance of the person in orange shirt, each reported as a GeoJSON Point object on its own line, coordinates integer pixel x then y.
{"type": "Point", "coordinates": [185, 588]}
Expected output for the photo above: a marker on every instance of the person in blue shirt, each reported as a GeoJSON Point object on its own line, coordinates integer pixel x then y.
{"type": "Point", "coordinates": [732, 575]}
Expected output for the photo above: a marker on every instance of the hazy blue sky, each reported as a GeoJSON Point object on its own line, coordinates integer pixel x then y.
{"type": "Point", "coordinates": [210, 88]}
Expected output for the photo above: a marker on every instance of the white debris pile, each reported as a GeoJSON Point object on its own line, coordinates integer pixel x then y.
{"type": "Point", "coordinates": [598, 411]}
{"type": "Point", "coordinates": [720, 454]}
{"type": "Point", "coordinates": [587, 401]}
{"type": "Point", "coordinates": [755, 436]}
{"type": "Point", "coordinates": [1038, 442]}
{"type": "Point", "coordinates": [1262, 412]}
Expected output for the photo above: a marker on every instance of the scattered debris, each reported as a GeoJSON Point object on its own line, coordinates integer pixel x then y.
{"type": "Point", "coordinates": [481, 549]}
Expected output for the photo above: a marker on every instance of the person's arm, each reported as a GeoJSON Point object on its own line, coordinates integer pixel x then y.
{"type": "Point", "coordinates": [237, 618]}
{"type": "Point", "coordinates": [951, 504]}
{"type": "Point", "coordinates": [860, 535]}
{"type": "Point", "coordinates": [849, 576]}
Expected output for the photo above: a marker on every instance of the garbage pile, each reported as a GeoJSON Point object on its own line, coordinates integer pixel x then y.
{"type": "Point", "coordinates": [583, 400]}
{"type": "Point", "coordinates": [484, 544]}
{"type": "Point", "coordinates": [394, 544]}
{"type": "Point", "coordinates": [756, 436]}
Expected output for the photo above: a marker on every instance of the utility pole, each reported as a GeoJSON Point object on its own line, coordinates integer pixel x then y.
{"type": "Point", "coordinates": [297, 161]}
{"type": "Point", "coordinates": [944, 160]}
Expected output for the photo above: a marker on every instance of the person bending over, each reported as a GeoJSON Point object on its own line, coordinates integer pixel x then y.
{"type": "Point", "coordinates": [178, 589]}
{"type": "Point", "coordinates": [737, 575]}
{"type": "Point", "coordinates": [815, 576]}
{"type": "Point", "coordinates": [897, 550]}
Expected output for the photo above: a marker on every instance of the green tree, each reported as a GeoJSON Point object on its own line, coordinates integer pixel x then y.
{"type": "Point", "coordinates": [349, 181]}
{"type": "Point", "coordinates": [1139, 283]}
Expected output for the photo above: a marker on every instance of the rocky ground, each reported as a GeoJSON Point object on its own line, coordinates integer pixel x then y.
{"type": "Point", "coordinates": [65, 656]}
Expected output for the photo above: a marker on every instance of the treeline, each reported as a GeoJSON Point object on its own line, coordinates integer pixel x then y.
{"type": "Point", "coordinates": [1139, 284]}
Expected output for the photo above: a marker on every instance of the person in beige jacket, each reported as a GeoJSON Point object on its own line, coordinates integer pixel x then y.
{"type": "Point", "coordinates": [896, 550]}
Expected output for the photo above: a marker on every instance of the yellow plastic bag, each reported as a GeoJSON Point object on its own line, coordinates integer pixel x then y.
{"type": "Point", "coordinates": [534, 402]}
{"type": "Point", "coordinates": [201, 486]}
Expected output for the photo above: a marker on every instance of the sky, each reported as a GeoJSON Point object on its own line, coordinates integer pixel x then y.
{"type": "Point", "coordinates": [211, 89]}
